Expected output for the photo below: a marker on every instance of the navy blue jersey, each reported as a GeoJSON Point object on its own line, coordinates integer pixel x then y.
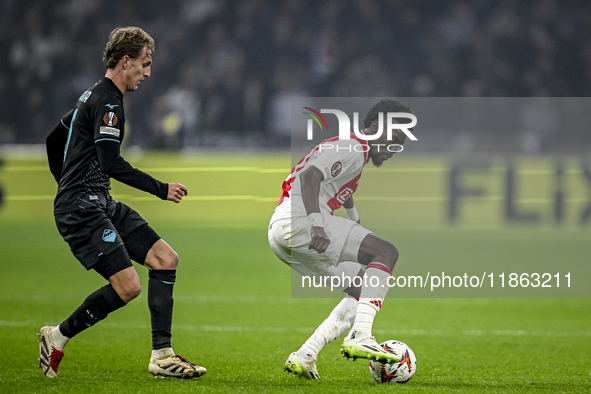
{"type": "Point", "coordinates": [90, 137]}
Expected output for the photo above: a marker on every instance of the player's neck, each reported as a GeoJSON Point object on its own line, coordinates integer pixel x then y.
{"type": "Point", "coordinates": [118, 77]}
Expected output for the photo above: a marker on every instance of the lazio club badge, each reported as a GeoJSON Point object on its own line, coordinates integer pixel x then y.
{"type": "Point", "coordinates": [109, 235]}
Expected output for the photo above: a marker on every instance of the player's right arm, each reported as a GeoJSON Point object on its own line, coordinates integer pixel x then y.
{"type": "Point", "coordinates": [352, 213]}
{"type": "Point", "coordinates": [55, 144]}
{"type": "Point", "coordinates": [310, 184]}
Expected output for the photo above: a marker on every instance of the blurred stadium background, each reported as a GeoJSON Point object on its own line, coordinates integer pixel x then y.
{"type": "Point", "coordinates": [229, 68]}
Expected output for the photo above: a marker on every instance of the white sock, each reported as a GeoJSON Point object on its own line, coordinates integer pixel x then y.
{"type": "Point", "coordinates": [370, 299]}
{"type": "Point", "coordinates": [59, 340]}
{"type": "Point", "coordinates": [162, 353]}
{"type": "Point", "coordinates": [334, 326]}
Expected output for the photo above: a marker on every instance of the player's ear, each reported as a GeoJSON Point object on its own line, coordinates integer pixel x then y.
{"type": "Point", "coordinates": [374, 127]}
{"type": "Point", "coordinates": [125, 62]}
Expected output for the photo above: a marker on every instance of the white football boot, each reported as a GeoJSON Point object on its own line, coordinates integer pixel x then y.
{"type": "Point", "coordinates": [295, 365]}
{"type": "Point", "coordinates": [175, 366]}
{"type": "Point", "coordinates": [366, 347]}
{"type": "Point", "coordinates": [49, 356]}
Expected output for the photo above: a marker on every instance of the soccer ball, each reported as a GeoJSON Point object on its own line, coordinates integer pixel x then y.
{"type": "Point", "coordinates": [400, 372]}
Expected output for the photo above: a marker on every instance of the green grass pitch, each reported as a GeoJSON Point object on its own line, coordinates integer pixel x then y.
{"type": "Point", "coordinates": [234, 313]}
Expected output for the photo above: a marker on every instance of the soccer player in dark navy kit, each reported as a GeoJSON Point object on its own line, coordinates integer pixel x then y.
{"type": "Point", "coordinates": [105, 235]}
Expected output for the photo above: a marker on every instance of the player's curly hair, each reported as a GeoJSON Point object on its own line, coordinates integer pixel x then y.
{"type": "Point", "coordinates": [128, 41]}
{"type": "Point", "coordinates": [384, 105]}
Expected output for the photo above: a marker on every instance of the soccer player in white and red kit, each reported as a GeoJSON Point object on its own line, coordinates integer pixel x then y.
{"type": "Point", "coordinates": [304, 233]}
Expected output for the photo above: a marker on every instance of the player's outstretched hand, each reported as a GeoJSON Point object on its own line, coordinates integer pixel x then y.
{"type": "Point", "coordinates": [320, 240]}
{"type": "Point", "coordinates": [176, 192]}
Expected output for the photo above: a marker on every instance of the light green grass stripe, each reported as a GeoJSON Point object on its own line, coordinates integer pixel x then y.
{"type": "Point", "coordinates": [29, 198]}
{"type": "Point", "coordinates": [169, 169]}
{"type": "Point", "coordinates": [22, 198]}
{"type": "Point", "coordinates": [479, 198]}
{"type": "Point", "coordinates": [429, 170]}
{"type": "Point", "coordinates": [426, 170]}
{"type": "Point", "coordinates": [204, 198]}
{"type": "Point", "coordinates": [573, 200]}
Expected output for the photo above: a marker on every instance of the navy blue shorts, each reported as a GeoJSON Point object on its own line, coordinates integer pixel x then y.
{"type": "Point", "coordinates": [94, 233]}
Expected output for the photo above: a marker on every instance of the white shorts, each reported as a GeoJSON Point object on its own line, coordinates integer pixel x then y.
{"type": "Point", "coordinates": [290, 240]}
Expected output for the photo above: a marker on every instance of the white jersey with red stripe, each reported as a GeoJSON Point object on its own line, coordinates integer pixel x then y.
{"type": "Point", "coordinates": [340, 161]}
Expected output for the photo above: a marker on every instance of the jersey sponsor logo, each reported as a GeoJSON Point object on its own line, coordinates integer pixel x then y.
{"type": "Point", "coordinates": [109, 131]}
{"type": "Point", "coordinates": [344, 195]}
{"type": "Point", "coordinates": [109, 235]}
{"type": "Point", "coordinates": [336, 169]}
{"type": "Point", "coordinates": [110, 119]}
{"type": "Point", "coordinates": [111, 106]}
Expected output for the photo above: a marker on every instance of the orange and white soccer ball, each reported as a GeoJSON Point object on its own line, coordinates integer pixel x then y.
{"type": "Point", "coordinates": [400, 372]}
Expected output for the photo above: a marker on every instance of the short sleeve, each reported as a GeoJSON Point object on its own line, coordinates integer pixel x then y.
{"type": "Point", "coordinates": [339, 159]}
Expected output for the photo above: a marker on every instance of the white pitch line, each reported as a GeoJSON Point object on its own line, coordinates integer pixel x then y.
{"type": "Point", "coordinates": [283, 329]}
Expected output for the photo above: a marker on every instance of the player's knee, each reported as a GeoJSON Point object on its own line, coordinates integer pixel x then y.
{"type": "Point", "coordinates": [388, 254]}
{"type": "Point", "coordinates": [129, 290]}
{"type": "Point", "coordinates": [393, 252]}
{"type": "Point", "coordinates": [134, 291]}
{"type": "Point", "coordinates": [162, 258]}
{"type": "Point", "coordinates": [170, 261]}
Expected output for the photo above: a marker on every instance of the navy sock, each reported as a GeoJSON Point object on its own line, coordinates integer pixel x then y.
{"type": "Point", "coordinates": [94, 309]}
{"type": "Point", "coordinates": [160, 302]}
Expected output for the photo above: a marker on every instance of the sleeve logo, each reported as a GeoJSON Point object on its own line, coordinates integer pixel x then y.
{"type": "Point", "coordinates": [336, 169]}
{"type": "Point", "coordinates": [110, 119]}
{"type": "Point", "coordinates": [110, 131]}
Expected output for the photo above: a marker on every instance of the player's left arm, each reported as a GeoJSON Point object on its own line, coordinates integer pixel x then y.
{"type": "Point", "coordinates": [310, 180]}
{"type": "Point", "coordinates": [117, 167]}
{"type": "Point", "coordinates": [352, 213]}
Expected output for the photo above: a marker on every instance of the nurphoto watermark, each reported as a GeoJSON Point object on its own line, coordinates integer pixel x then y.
{"type": "Point", "coordinates": [344, 122]}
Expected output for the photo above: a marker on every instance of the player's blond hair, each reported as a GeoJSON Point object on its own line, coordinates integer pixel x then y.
{"type": "Point", "coordinates": [128, 41]}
